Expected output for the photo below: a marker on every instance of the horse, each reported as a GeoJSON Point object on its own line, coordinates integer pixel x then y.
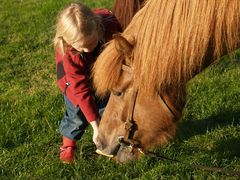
{"type": "Point", "coordinates": [124, 10]}
{"type": "Point", "coordinates": [145, 70]}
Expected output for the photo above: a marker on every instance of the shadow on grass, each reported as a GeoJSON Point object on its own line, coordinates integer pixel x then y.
{"type": "Point", "coordinates": [228, 148]}
{"type": "Point", "coordinates": [225, 148]}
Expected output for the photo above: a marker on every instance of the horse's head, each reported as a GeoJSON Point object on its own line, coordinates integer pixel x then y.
{"type": "Point", "coordinates": [147, 78]}
{"type": "Point", "coordinates": [133, 122]}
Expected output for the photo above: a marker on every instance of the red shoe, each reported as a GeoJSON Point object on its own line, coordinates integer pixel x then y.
{"type": "Point", "coordinates": [67, 151]}
{"type": "Point", "coordinates": [67, 154]}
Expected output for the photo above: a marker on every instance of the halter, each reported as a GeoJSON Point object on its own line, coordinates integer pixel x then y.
{"type": "Point", "coordinates": [127, 140]}
{"type": "Point", "coordinates": [130, 126]}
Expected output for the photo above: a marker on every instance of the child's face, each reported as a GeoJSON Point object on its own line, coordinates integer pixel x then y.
{"type": "Point", "coordinates": [86, 44]}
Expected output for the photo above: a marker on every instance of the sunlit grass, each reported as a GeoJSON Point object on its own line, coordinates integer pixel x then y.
{"type": "Point", "coordinates": [31, 108]}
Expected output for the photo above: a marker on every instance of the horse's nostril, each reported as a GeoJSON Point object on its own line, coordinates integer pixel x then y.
{"type": "Point", "coordinates": [121, 140]}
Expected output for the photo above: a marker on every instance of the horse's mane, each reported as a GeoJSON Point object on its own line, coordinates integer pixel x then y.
{"type": "Point", "coordinates": [174, 41]}
{"type": "Point", "coordinates": [124, 10]}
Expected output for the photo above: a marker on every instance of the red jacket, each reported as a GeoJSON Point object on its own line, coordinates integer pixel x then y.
{"type": "Point", "coordinates": [74, 69]}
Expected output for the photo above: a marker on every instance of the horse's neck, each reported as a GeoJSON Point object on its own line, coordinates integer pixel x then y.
{"type": "Point", "coordinates": [124, 10]}
{"type": "Point", "coordinates": [175, 99]}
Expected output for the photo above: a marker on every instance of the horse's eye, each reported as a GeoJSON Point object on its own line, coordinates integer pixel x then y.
{"type": "Point", "coordinates": [117, 93]}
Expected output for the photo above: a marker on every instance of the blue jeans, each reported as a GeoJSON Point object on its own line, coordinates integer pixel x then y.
{"type": "Point", "coordinates": [74, 122]}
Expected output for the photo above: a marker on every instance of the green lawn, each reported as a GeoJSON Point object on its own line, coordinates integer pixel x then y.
{"type": "Point", "coordinates": [31, 108]}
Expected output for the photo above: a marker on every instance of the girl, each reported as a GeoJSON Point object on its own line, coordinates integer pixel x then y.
{"type": "Point", "coordinates": [80, 33]}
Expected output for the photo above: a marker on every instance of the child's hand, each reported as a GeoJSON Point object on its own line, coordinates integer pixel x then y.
{"type": "Point", "coordinates": [95, 135]}
{"type": "Point", "coordinates": [94, 125]}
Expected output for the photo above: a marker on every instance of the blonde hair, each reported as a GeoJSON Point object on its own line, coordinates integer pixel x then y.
{"type": "Point", "coordinates": [74, 22]}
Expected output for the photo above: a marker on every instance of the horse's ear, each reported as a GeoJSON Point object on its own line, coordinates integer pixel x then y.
{"type": "Point", "coordinates": [123, 45]}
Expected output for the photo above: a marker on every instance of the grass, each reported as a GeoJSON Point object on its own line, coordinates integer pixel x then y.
{"type": "Point", "coordinates": [31, 108]}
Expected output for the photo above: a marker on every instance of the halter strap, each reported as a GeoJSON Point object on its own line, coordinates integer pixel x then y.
{"type": "Point", "coordinates": [130, 122]}
{"type": "Point", "coordinates": [130, 125]}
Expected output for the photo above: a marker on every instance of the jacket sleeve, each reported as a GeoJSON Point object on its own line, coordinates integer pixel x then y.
{"type": "Point", "coordinates": [79, 91]}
